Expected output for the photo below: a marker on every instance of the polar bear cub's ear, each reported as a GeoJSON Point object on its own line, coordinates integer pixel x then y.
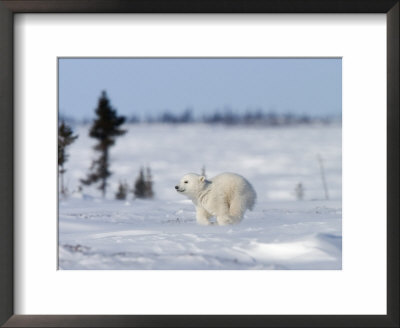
{"type": "Point", "coordinates": [202, 178]}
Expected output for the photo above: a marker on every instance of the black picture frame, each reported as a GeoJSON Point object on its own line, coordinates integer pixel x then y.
{"type": "Point", "coordinates": [10, 7]}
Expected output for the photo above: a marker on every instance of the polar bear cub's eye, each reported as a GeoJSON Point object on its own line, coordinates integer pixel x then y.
{"type": "Point", "coordinates": [185, 181]}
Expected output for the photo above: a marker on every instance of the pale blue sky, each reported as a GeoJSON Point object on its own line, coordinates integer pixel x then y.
{"type": "Point", "coordinates": [150, 86]}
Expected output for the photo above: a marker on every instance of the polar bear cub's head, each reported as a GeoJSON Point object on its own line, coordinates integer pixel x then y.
{"type": "Point", "coordinates": [191, 184]}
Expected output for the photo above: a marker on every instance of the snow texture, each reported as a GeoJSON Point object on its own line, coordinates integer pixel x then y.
{"type": "Point", "coordinates": [280, 233]}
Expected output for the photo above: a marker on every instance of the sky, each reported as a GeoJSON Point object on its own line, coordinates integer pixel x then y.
{"type": "Point", "coordinates": [149, 86]}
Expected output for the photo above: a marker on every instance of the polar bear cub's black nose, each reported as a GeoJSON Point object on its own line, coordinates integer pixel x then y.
{"type": "Point", "coordinates": [176, 187]}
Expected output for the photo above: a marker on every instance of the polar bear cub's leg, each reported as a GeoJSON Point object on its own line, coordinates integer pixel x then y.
{"type": "Point", "coordinates": [237, 207]}
{"type": "Point", "coordinates": [224, 220]}
{"type": "Point", "coordinates": [231, 211]}
{"type": "Point", "coordinates": [223, 217]}
{"type": "Point", "coordinates": [202, 216]}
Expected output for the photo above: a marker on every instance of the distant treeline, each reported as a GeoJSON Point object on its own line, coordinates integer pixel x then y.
{"type": "Point", "coordinates": [229, 117]}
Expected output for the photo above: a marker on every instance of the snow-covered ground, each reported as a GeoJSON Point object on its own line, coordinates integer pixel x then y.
{"type": "Point", "coordinates": [281, 233]}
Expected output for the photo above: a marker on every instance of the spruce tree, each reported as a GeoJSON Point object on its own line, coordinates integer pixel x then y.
{"type": "Point", "coordinates": [299, 190]}
{"type": "Point", "coordinates": [65, 138]}
{"type": "Point", "coordinates": [105, 129]}
{"type": "Point", "coordinates": [122, 191]}
{"type": "Point", "coordinates": [149, 184]}
{"type": "Point", "coordinates": [143, 187]}
{"type": "Point", "coordinates": [140, 185]}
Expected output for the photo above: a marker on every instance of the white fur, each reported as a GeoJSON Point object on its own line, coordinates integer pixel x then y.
{"type": "Point", "coordinates": [227, 196]}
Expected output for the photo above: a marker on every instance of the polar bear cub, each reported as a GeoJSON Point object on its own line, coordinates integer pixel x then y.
{"type": "Point", "coordinates": [226, 196]}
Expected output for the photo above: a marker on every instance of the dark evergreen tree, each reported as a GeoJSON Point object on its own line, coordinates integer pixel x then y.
{"type": "Point", "coordinates": [122, 191]}
{"type": "Point", "coordinates": [143, 187]}
{"type": "Point", "coordinates": [65, 138]}
{"type": "Point", "coordinates": [105, 128]}
{"type": "Point", "coordinates": [140, 185]}
{"type": "Point", "coordinates": [149, 184]}
{"type": "Point", "coordinates": [299, 190]}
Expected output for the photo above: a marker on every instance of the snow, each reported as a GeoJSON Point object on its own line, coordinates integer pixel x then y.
{"type": "Point", "coordinates": [162, 234]}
